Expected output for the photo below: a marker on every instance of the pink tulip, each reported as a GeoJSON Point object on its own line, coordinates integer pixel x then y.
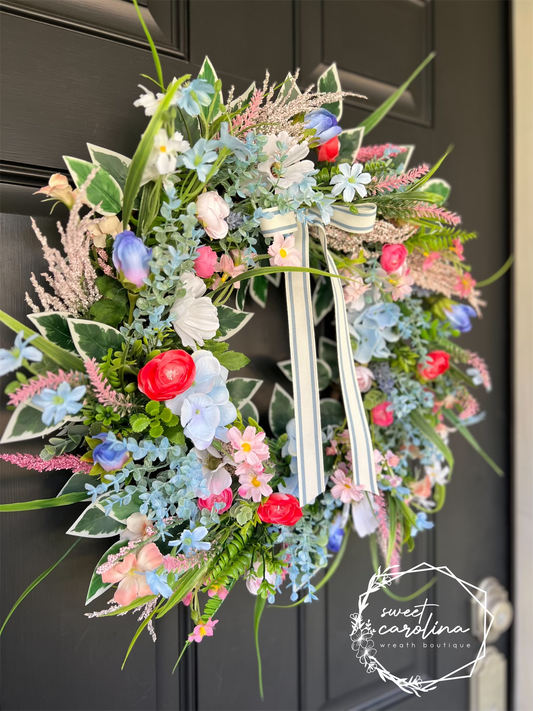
{"type": "Point", "coordinates": [206, 262]}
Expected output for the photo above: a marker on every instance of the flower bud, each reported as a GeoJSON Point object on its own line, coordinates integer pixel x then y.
{"type": "Point", "coordinates": [132, 258]}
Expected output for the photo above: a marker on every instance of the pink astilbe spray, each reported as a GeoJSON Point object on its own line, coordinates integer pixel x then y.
{"type": "Point", "coordinates": [180, 563]}
{"type": "Point", "coordinates": [103, 391]}
{"type": "Point", "coordinates": [384, 534]}
{"type": "Point", "coordinates": [432, 212]}
{"type": "Point", "coordinates": [72, 276]}
{"type": "Point", "coordinates": [480, 365]}
{"type": "Point", "coordinates": [64, 461]}
{"type": "Point", "coordinates": [469, 404]}
{"type": "Point", "coordinates": [367, 153]}
{"type": "Point", "coordinates": [247, 119]}
{"type": "Point", "coordinates": [395, 182]}
{"type": "Point", "coordinates": [103, 263]}
{"type": "Point", "coordinates": [36, 386]}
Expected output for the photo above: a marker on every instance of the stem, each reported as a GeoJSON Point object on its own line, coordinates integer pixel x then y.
{"type": "Point", "coordinates": [132, 298]}
{"type": "Point", "coordinates": [152, 46]}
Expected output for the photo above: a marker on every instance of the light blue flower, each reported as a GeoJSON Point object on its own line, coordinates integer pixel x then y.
{"type": "Point", "coordinates": [192, 97]}
{"type": "Point", "coordinates": [12, 359]}
{"type": "Point", "coordinates": [373, 330]}
{"type": "Point", "coordinates": [112, 454]}
{"type": "Point", "coordinates": [200, 157]}
{"type": "Point", "coordinates": [421, 523]}
{"type": "Point", "coordinates": [459, 316]}
{"type": "Point", "coordinates": [191, 541]}
{"type": "Point", "coordinates": [324, 123]}
{"type": "Point", "coordinates": [158, 583]}
{"type": "Point", "coordinates": [350, 180]}
{"type": "Point", "coordinates": [228, 141]}
{"type": "Point", "coordinates": [57, 404]}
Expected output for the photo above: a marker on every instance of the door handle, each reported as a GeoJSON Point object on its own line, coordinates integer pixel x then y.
{"type": "Point", "coordinates": [498, 604]}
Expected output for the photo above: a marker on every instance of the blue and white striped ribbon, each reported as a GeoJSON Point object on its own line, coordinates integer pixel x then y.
{"type": "Point", "coordinates": [311, 478]}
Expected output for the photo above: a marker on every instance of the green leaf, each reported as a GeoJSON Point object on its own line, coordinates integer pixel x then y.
{"type": "Point", "coordinates": [401, 161]}
{"type": "Point", "coordinates": [36, 582]}
{"type": "Point", "coordinates": [26, 423]}
{"type": "Point", "coordinates": [263, 271]}
{"type": "Point", "coordinates": [139, 422]}
{"type": "Point", "coordinates": [452, 417]}
{"type": "Point", "coordinates": [96, 584]}
{"type": "Point", "coordinates": [440, 187]}
{"type": "Point", "coordinates": [76, 484]}
{"type": "Point", "coordinates": [36, 504]}
{"type": "Point", "coordinates": [331, 412]}
{"type": "Point", "coordinates": [327, 350]}
{"type": "Point", "coordinates": [144, 149]}
{"type": "Point", "coordinates": [93, 340]}
{"type": "Point", "coordinates": [372, 121]}
{"type": "Point", "coordinates": [350, 143]}
{"type": "Point", "coordinates": [322, 300]}
{"type": "Point", "coordinates": [240, 296]}
{"type": "Point", "coordinates": [259, 290]}
{"type": "Point", "coordinates": [207, 72]}
{"type": "Point", "coordinates": [111, 313]}
{"type": "Point", "coordinates": [53, 325]}
{"type": "Point", "coordinates": [242, 389]}
{"type": "Point", "coordinates": [175, 434]}
{"type": "Point", "coordinates": [153, 408]}
{"type": "Point", "coordinates": [274, 279]}
{"type": "Point", "coordinates": [427, 429]}
{"type": "Point", "coordinates": [249, 410]}
{"type": "Point", "coordinates": [113, 163]}
{"type": "Point", "coordinates": [323, 371]}
{"type": "Point", "coordinates": [156, 430]}
{"type": "Point", "coordinates": [93, 523]}
{"type": "Point", "coordinates": [104, 193]}
{"type": "Point", "coordinates": [63, 358]}
{"type": "Point", "coordinates": [260, 603]}
{"type": "Point", "coordinates": [373, 398]}
{"type": "Point", "coordinates": [231, 321]}
{"type": "Point", "coordinates": [280, 411]}
{"type": "Point", "coordinates": [329, 82]}
{"type": "Point", "coordinates": [233, 360]}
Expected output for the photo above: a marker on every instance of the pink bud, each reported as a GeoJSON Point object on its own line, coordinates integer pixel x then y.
{"type": "Point", "coordinates": [205, 262]}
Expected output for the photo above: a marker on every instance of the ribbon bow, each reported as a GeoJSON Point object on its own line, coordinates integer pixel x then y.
{"type": "Point", "coordinates": [303, 354]}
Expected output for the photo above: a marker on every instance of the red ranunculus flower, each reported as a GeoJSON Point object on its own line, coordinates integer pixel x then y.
{"type": "Point", "coordinates": [225, 497]}
{"type": "Point", "coordinates": [393, 257]}
{"type": "Point", "coordinates": [282, 509]}
{"type": "Point", "coordinates": [167, 375]}
{"type": "Point", "coordinates": [330, 150]}
{"type": "Point", "coordinates": [383, 415]}
{"type": "Point", "coordinates": [437, 363]}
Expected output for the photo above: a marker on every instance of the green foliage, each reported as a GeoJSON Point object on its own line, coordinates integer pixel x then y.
{"type": "Point", "coordinates": [112, 308]}
{"type": "Point", "coordinates": [373, 398]}
{"type": "Point", "coordinates": [104, 193]}
{"type": "Point", "coordinates": [433, 238]}
{"type": "Point", "coordinates": [232, 360]}
{"type": "Point", "coordinates": [329, 82]}
{"type": "Point", "coordinates": [280, 411]}
{"type": "Point", "coordinates": [158, 420]}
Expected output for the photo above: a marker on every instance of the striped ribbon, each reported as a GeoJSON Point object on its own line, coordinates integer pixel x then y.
{"type": "Point", "coordinates": [311, 478]}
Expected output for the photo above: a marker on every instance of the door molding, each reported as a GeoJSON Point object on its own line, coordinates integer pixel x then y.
{"type": "Point", "coordinates": [522, 43]}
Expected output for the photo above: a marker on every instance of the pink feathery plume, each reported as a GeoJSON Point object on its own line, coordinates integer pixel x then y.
{"type": "Point", "coordinates": [395, 182]}
{"type": "Point", "coordinates": [433, 212]}
{"type": "Point", "coordinates": [179, 563]}
{"type": "Point", "coordinates": [36, 386]}
{"type": "Point", "coordinates": [479, 364]}
{"type": "Point", "coordinates": [31, 461]}
{"type": "Point", "coordinates": [367, 153]}
{"type": "Point", "coordinates": [469, 404]}
{"type": "Point", "coordinates": [102, 389]}
{"type": "Point", "coordinates": [103, 263]}
{"type": "Point", "coordinates": [247, 119]}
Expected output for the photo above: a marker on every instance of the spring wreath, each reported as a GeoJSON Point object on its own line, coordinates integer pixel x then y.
{"type": "Point", "coordinates": [129, 376]}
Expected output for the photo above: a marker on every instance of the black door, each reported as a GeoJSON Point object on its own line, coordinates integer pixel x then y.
{"type": "Point", "coordinates": [70, 74]}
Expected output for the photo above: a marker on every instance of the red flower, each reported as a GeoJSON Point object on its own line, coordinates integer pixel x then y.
{"type": "Point", "coordinates": [167, 375]}
{"type": "Point", "coordinates": [437, 363]}
{"type": "Point", "coordinates": [330, 150]}
{"type": "Point", "coordinates": [282, 509]}
{"type": "Point", "coordinates": [383, 415]}
{"type": "Point", "coordinates": [393, 257]}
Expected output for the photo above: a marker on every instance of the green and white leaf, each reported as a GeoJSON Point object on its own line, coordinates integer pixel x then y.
{"type": "Point", "coordinates": [286, 89]}
{"type": "Point", "coordinates": [26, 423]}
{"type": "Point", "coordinates": [207, 72]}
{"type": "Point", "coordinates": [53, 325]}
{"type": "Point", "coordinates": [104, 193]}
{"type": "Point", "coordinates": [438, 186]}
{"type": "Point", "coordinates": [323, 372]}
{"type": "Point", "coordinates": [113, 163]}
{"type": "Point", "coordinates": [331, 412]}
{"type": "Point", "coordinates": [350, 143]}
{"type": "Point", "coordinates": [93, 523]}
{"type": "Point", "coordinates": [240, 295]}
{"type": "Point", "coordinates": [259, 290]}
{"type": "Point", "coordinates": [249, 410]}
{"type": "Point", "coordinates": [97, 585]}
{"type": "Point", "coordinates": [327, 351]}
{"type": "Point", "coordinates": [231, 321]}
{"type": "Point", "coordinates": [76, 483]}
{"type": "Point", "coordinates": [244, 98]}
{"type": "Point", "coordinates": [280, 411]}
{"type": "Point", "coordinates": [93, 340]}
{"type": "Point", "coordinates": [122, 512]}
{"type": "Point", "coordinates": [274, 278]}
{"type": "Point", "coordinates": [322, 299]}
{"type": "Point", "coordinates": [329, 82]}
{"type": "Point", "coordinates": [401, 162]}
{"type": "Point", "coordinates": [241, 390]}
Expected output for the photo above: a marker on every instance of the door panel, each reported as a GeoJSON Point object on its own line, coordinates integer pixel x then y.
{"type": "Point", "coordinates": [70, 72]}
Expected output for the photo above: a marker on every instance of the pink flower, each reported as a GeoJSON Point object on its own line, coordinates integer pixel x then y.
{"type": "Point", "coordinates": [205, 262]}
{"type": "Point", "coordinates": [422, 488]}
{"type": "Point", "coordinates": [202, 630]}
{"type": "Point", "coordinates": [229, 270]}
{"type": "Point", "coordinates": [283, 252]}
{"type": "Point", "coordinates": [254, 485]}
{"type": "Point", "coordinates": [354, 290]}
{"type": "Point", "coordinates": [219, 590]}
{"type": "Point", "coordinates": [393, 257]}
{"type": "Point", "coordinates": [382, 415]}
{"type": "Point", "coordinates": [378, 458]}
{"type": "Point", "coordinates": [464, 284]}
{"type": "Point", "coordinates": [345, 488]}
{"type": "Point", "coordinates": [137, 528]}
{"type": "Point", "coordinates": [392, 459]}
{"type": "Point", "coordinates": [332, 449]}
{"type": "Point", "coordinates": [249, 446]}
{"type": "Point", "coordinates": [458, 249]}
{"type": "Point", "coordinates": [58, 187]}
{"type": "Point", "coordinates": [430, 258]}
{"type": "Point", "coordinates": [253, 581]}
{"type": "Point", "coordinates": [211, 211]}
{"type": "Point", "coordinates": [398, 284]}
{"type": "Point", "coordinates": [187, 599]}
{"type": "Point", "coordinates": [130, 574]}
{"type": "Point", "coordinates": [364, 378]}
{"type": "Point", "coordinates": [225, 498]}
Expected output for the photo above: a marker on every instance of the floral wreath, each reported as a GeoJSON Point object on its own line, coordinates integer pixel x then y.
{"type": "Point", "coordinates": [126, 372]}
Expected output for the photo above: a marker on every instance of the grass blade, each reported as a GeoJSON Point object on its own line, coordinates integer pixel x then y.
{"type": "Point", "coordinates": [501, 271]}
{"type": "Point", "coordinates": [274, 270]}
{"type": "Point", "coordinates": [429, 433]}
{"type": "Point", "coordinates": [152, 46]}
{"type": "Point", "coordinates": [452, 417]}
{"type": "Point", "coordinates": [258, 611]}
{"type": "Point", "coordinates": [372, 121]}
{"type": "Point", "coordinates": [65, 500]}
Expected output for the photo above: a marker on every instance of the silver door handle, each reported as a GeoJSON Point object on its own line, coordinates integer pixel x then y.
{"type": "Point", "coordinates": [498, 604]}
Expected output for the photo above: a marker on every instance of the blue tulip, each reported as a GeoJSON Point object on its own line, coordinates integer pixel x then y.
{"type": "Point", "coordinates": [324, 123]}
{"type": "Point", "coordinates": [336, 534]}
{"type": "Point", "coordinates": [132, 257]}
{"type": "Point", "coordinates": [459, 316]}
{"type": "Point", "coordinates": [111, 454]}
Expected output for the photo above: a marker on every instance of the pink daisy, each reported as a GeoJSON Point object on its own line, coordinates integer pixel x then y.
{"type": "Point", "coordinates": [255, 485]}
{"type": "Point", "coordinates": [345, 488]}
{"type": "Point", "coordinates": [283, 252]}
{"type": "Point", "coordinates": [202, 630]}
{"type": "Point", "coordinates": [249, 446]}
